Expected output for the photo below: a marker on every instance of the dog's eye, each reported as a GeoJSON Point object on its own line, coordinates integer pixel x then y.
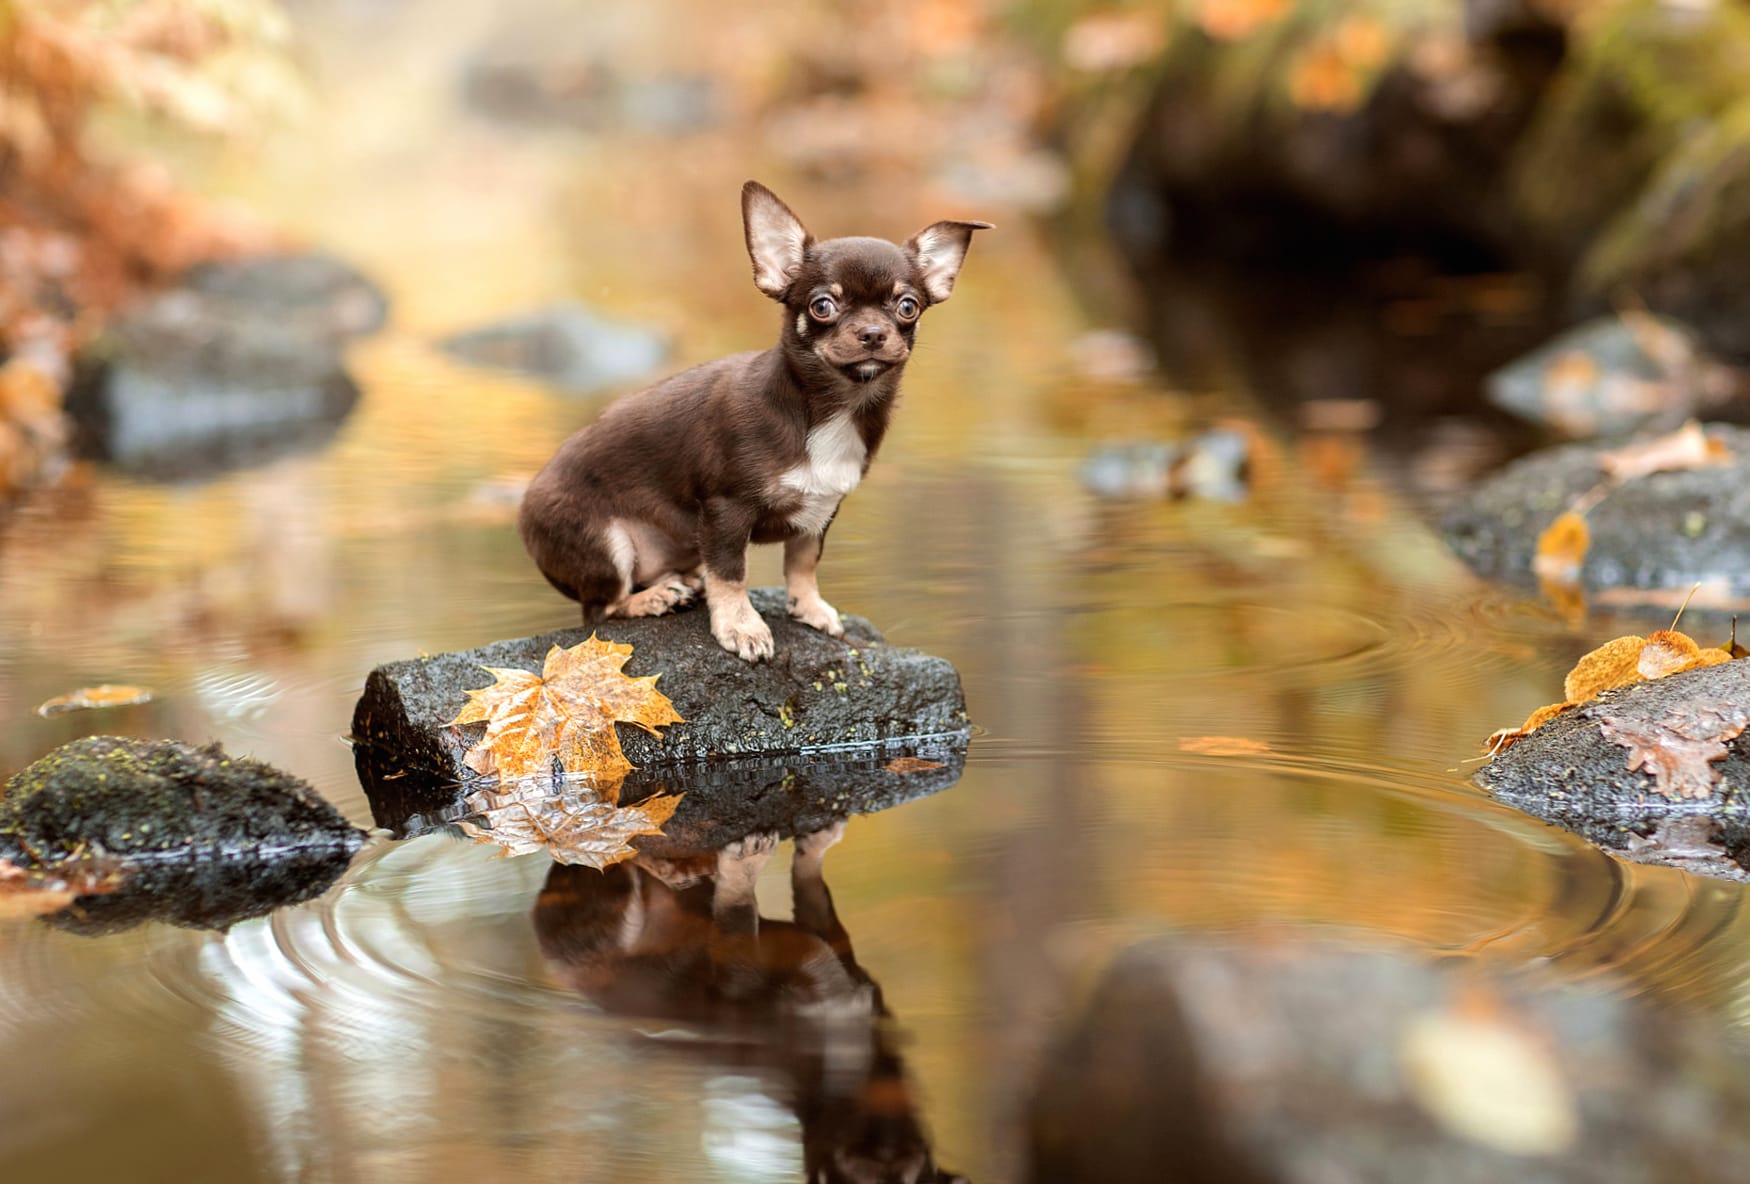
{"type": "Point", "coordinates": [823, 309]}
{"type": "Point", "coordinates": [908, 308]}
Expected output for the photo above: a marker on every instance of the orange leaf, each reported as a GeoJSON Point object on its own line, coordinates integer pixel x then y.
{"type": "Point", "coordinates": [93, 697]}
{"type": "Point", "coordinates": [1611, 665]}
{"type": "Point", "coordinates": [568, 711]}
{"type": "Point", "coordinates": [910, 764]}
{"type": "Point", "coordinates": [1668, 652]}
{"type": "Point", "coordinates": [28, 893]}
{"type": "Point", "coordinates": [1686, 448]}
{"type": "Point", "coordinates": [1223, 745]}
{"type": "Point", "coordinates": [1561, 548]}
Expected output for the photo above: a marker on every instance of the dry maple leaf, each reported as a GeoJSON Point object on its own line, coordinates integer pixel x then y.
{"type": "Point", "coordinates": [1679, 748]}
{"type": "Point", "coordinates": [574, 823]}
{"type": "Point", "coordinates": [568, 711]}
{"type": "Point", "coordinates": [1686, 448]}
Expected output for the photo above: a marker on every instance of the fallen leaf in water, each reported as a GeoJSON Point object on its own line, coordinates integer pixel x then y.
{"type": "Point", "coordinates": [1223, 745]}
{"type": "Point", "coordinates": [26, 892]}
{"type": "Point", "coordinates": [1679, 748]}
{"type": "Point", "coordinates": [910, 764]}
{"type": "Point", "coordinates": [1561, 548]}
{"type": "Point", "coordinates": [567, 712]}
{"type": "Point", "coordinates": [1686, 448]}
{"type": "Point", "coordinates": [92, 697]}
{"type": "Point", "coordinates": [573, 823]}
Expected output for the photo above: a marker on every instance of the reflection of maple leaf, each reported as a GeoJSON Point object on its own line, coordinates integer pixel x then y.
{"type": "Point", "coordinates": [1679, 746]}
{"type": "Point", "coordinates": [910, 764]}
{"type": "Point", "coordinates": [573, 820]}
{"type": "Point", "coordinates": [568, 711]}
{"type": "Point", "coordinates": [28, 893]}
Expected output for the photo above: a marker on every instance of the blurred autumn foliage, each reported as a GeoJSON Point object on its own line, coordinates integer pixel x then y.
{"type": "Point", "coordinates": [79, 235]}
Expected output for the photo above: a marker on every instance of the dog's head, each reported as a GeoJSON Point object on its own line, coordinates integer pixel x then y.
{"type": "Point", "coordinates": [853, 303]}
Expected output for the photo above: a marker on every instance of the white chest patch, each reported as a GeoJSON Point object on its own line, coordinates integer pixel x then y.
{"type": "Point", "coordinates": [833, 469]}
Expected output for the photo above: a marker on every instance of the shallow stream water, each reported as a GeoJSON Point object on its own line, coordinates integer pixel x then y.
{"type": "Point", "coordinates": [1251, 718]}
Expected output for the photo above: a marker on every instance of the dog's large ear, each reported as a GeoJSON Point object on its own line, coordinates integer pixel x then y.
{"type": "Point", "coordinates": [776, 239]}
{"type": "Point", "coordinates": [938, 251]}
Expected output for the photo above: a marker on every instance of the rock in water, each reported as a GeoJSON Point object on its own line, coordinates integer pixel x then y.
{"type": "Point", "coordinates": [1294, 1063]}
{"type": "Point", "coordinates": [567, 345]}
{"type": "Point", "coordinates": [1572, 772]}
{"type": "Point", "coordinates": [204, 839]}
{"type": "Point", "coordinates": [1661, 531]}
{"type": "Point", "coordinates": [239, 364]}
{"type": "Point", "coordinates": [821, 730]}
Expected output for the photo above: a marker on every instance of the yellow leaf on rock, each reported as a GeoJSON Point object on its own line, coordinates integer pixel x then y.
{"type": "Point", "coordinates": [1611, 665]}
{"type": "Point", "coordinates": [567, 712]}
{"type": "Point", "coordinates": [1561, 548]}
{"type": "Point", "coordinates": [1686, 448]}
{"type": "Point", "coordinates": [1667, 652]}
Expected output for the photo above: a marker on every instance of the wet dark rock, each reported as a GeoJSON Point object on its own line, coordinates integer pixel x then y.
{"type": "Point", "coordinates": [1666, 530]}
{"type": "Point", "coordinates": [239, 364]}
{"type": "Point", "coordinates": [566, 345]}
{"type": "Point", "coordinates": [204, 839]}
{"type": "Point", "coordinates": [1283, 1062]}
{"type": "Point", "coordinates": [779, 745]}
{"type": "Point", "coordinates": [1609, 377]}
{"type": "Point", "coordinates": [1569, 773]}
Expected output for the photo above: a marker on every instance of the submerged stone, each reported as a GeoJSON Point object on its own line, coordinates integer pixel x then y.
{"type": "Point", "coordinates": [203, 839]}
{"type": "Point", "coordinates": [239, 364]}
{"type": "Point", "coordinates": [1246, 1064]}
{"type": "Point", "coordinates": [820, 731]}
{"type": "Point", "coordinates": [567, 346]}
{"type": "Point", "coordinates": [1664, 530]}
{"type": "Point", "coordinates": [1572, 773]}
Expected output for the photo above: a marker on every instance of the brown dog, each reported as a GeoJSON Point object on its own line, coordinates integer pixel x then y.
{"type": "Point", "coordinates": [756, 447]}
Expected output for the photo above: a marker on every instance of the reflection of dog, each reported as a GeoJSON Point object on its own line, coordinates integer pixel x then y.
{"type": "Point", "coordinates": [683, 940]}
{"type": "Point", "coordinates": [756, 447]}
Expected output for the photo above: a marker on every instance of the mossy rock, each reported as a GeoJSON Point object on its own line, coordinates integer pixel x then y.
{"type": "Point", "coordinates": [1659, 532]}
{"type": "Point", "coordinates": [1635, 84]}
{"type": "Point", "coordinates": [204, 839]}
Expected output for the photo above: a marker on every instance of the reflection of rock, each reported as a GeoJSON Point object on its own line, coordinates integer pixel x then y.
{"type": "Point", "coordinates": [1212, 466]}
{"type": "Point", "coordinates": [1574, 771]}
{"type": "Point", "coordinates": [750, 731]}
{"type": "Point", "coordinates": [204, 839]}
{"type": "Point", "coordinates": [567, 88]}
{"type": "Point", "coordinates": [1274, 1063]}
{"type": "Point", "coordinates": [1666, 530]}
{"type": "Point", "coordinates": [680, 940]}
{"type": "Point", "coordinates": [566, 345]}
{"type": "Point", "coordinates": [239, 364]}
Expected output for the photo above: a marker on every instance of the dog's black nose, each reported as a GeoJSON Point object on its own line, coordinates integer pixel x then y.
{"type": "Point", "coordinates": [872, 335]}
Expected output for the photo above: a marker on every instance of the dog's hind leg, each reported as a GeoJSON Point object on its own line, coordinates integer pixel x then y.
{"type": "Point", "coordinates": [665, 594]}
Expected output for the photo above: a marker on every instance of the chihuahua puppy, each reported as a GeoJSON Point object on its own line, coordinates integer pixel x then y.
{"type": "Point", "coordinates": [663, 493]}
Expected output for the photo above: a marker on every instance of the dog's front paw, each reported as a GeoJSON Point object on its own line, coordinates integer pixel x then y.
{"type": "Point", "coordinates": [815, 844]}
{"type": "Point", "coordinates": [818, 614]}
{"type": "Point", "coordinates": [740, 630]}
